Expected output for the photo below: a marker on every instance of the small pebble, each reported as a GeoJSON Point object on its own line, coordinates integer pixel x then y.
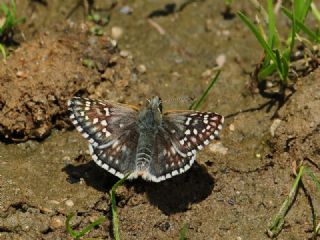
{"type": "Point", "coordinates": [116, 32]}
{"type": "Point", "coordinates": [274, 126]}
{"type": "Point", "coordinates": [126, 10]}
{"type": "Point", "coordinates": [56, 222]}
{"type": "Point", "coordinates": [226, 33]}
{"type": "Point", "coordinates": [231, 127]}
{"type": "Point", "coordinates": [69, 203]}
{"type": "Point", "coordinates": [218, 148]}
{"type": "Point", "coordinates": [21, 74]}
{"type": "Point", "coordinates": [207, 73]}
{"type": "Point", "coordinates": [142, 68]}
{"type": "Point", "coordinates": [220, 60]}
{"type": "Point", "coordinates": [269, 84]}
{"type": "Point", "coordinates": [124, 53]}
{"type": "Point", "coordinates": [54, 202]}
{"type": "Point", "coordinates": [209, 26]}
{"type": "Point", "coordinates": [66, 159]}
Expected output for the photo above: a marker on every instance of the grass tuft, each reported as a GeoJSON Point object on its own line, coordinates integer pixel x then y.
{"type": "Point", "coordinates": [8, 22]}
{"type": "Point", "coordinates": [277, 54]}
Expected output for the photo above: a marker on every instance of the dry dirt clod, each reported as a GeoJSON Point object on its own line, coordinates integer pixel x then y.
{"type": "Point", "coordinates": [36, 93]}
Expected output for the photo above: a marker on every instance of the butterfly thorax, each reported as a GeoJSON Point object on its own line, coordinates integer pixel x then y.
{"type": "Point", "coordinates": [150, 119]}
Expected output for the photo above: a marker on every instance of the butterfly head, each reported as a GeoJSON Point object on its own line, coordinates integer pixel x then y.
{"type": "Point", "coordinates": [155, 104]}
{"type": "Point", "coordinates": [151, 115]}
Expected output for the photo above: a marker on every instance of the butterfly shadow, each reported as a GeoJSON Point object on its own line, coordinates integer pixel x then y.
{"type": "Point", "coordinates": [177, 194]}
{"type": "Point", "coordinates": [92, 174]}
{"type": "Point", "coordinates": [171, 196]}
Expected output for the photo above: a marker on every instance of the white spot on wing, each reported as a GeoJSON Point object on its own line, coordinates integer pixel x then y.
{"type": "Point", "coordinates": [85, 135]}
{"type": "Point", "coordinates": [107, 111]}
{"type": "Point", "coordinates": [105, 166]}
{"type": "Point", "coordinates": [104, 123]}
{"type": "Point", "coordinates": [174, 173]}
{"type": "Point", "coordinates": [168, 175]}
{"type": "Point", "coordinates": [108, 134]}
{"type": "Point", "coordinates": [188, 121]}
{"type": "Point", "coordinates": [80, 129]}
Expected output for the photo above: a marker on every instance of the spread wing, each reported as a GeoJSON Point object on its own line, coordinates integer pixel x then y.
{"type": "Point", "coordinates": [111, 131]}
{"type": "Point", "coordinates": [179, 138]}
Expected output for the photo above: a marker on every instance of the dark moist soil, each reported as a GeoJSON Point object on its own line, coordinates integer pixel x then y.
{"type": "Point", "coordinates": [236, 186]}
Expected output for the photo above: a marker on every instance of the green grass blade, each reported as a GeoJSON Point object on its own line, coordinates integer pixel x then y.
{"type": "Point", "coordinates": [315, 11]}
{"type": "Point", "coordinates": [267, 71]}
{"type": "Point", "coordinates": [314, 178]}
{"type": "Point", "coordinates": [317, 231]}
{"type": "Point", "coordinates": [183, 232]}
{"type": "Point", "coordinates": [68, 226]}
{"type": "Point", "coordinates": [271, 24]}
{"type": "Point", "coordinates": [115, 218]}
{"type": "Point", "coordinates": [285, 65]}
{"type": "Point", "coordinates": [195, 105]}
{"type": "Point", "coordinates": [77, 235]}
{"type": "Point", "coordinates": [258, 36]}
{"type": "Point", "coordinates": [91, 226]}
{"type": "Point", "coordinates": [3, 52]}
{"type": "Point", "coordinates": [279, 64]}
{"type": "Point", "coordinates": [312, 35]}
{"type": "Point", "coordinates": [301, 9]}
{"type": "Point", "coordinates": [14, 8]}
{"type": "Point", "coordinates": [4, 8]}
{"type": "Point", "coordinates": [278, 221]}
{"type": "Point", "coordinates": [299, 13]}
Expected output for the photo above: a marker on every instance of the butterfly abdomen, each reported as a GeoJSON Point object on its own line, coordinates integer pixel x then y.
{"type": "Point", "coordinates": [145, 150]}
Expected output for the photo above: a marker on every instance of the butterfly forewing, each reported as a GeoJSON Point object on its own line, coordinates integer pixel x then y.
{"type": "Point", "coordinates": [108, 127]}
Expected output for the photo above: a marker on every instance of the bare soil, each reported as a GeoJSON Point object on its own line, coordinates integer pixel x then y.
{"type": "Point", "coordinates": [46, 171]}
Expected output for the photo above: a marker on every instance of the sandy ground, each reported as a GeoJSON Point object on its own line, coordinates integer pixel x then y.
{"type": "Point", "coordinates": [46, 171]}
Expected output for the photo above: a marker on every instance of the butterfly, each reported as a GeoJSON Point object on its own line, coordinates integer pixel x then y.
{"type": "Point", "coordinates": [146, 143]}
